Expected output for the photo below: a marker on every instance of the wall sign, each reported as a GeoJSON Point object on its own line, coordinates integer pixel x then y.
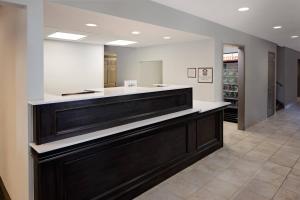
{"type": "Point", "coordinates": [230, 56]}
{"type": "Point", "coordinates": [205, 75]}
{"type": "Point", "coordinates": [191, 72]}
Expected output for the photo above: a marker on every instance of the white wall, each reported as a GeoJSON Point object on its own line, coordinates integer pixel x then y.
{"type": "Point", "coordinates": [176, 59]}
{"type": "Point", "coordinates": [71, 66]}
{"type": "Point", "coordinates": [256, 50]}
{"type": "Point", "coordinates": [29, 73]}
{"type": "Point", "coordinates": [13, 125]}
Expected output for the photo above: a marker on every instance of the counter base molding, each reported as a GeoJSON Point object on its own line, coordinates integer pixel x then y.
{"type": "Point", "coordinates": [126, 164]}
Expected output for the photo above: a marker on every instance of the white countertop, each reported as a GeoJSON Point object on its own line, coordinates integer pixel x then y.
{"type": "Point", "coordinates": [104, 92]}
{"type": "Point", "coordinates": [198, 106]}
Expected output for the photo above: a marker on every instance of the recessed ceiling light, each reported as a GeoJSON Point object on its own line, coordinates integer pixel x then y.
{"type": "Point", "coordinates": [66, 36]}
{"type": "Point", "coordinates": [277, 27]}
{"type": "Point", "coordinates": [167, 37]}
{"type": "Point", "coordinates": [120, 43]}
{"type": "Point", "coordinates": [135, 32]}
{"type": "Point", "coordinates": [294, 36]}
{"type": "Point", "coordinates": [243, 9]}
{"type": "Point", "coordinates": [91, 25]}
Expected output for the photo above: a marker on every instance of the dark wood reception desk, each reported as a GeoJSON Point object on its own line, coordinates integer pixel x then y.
{"type": "Point", "coordinates": [124, 158]}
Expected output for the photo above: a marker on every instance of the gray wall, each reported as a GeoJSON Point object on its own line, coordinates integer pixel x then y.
{"type": "Point", "coordinates": [287, 73]}
{"type": "Point", "coordinates": [256, 50]}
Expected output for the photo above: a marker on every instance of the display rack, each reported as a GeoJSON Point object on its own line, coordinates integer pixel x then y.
{"type": "Point", "coordinates": [230, 86]}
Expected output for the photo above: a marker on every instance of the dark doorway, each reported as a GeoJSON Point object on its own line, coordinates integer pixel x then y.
{"type": "Point", "coordinates": [298, 79]}
{"type": "Point", "coordinates": [234, 84]}
{"type": "Point", "coordinates": [271, 83]}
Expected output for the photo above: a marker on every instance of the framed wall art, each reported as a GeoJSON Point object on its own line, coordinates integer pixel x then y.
{"type": "Point", "coordinates": [191, 72]}
{"type": "Point", "coordinates": [205, 75]}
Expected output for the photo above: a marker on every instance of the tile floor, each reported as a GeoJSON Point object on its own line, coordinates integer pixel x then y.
{"type": "Point", "coordinates": [260, 163]}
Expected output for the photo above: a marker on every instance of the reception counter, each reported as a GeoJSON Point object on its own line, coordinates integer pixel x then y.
{"type": "Point", "coordinates": [122, 159]}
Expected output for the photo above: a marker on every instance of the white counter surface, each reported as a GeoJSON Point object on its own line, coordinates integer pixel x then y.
{"type": "Point", "coordinates": [103, 92]}
{"type": "Point", "coordinates": [198, 106]}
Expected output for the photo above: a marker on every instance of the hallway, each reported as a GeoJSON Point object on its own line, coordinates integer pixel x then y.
{"type": "Point", "coordinates": [261, 163]}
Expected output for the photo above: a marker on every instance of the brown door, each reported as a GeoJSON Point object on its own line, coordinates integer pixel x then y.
{"type": "Point", "coordinates": [298, 78]}
{"type": "Point", "coordinates": [271, 84]}
{"type": "Point", "coordinates": [110, 70]}
{"type": "Point", "coordinates": [241, 83]}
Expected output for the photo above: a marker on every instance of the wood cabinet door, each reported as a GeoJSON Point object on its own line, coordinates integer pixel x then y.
{"type": "Point", "coordinates": [209, 130]}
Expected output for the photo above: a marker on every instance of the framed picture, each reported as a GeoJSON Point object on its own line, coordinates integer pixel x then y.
{"type": "Point", "coordinates": [191, 72]}
{"type": "Point", "coordinates": [205, 75]}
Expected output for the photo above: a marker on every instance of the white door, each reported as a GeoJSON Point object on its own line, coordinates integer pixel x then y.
{"type": "Point", "coordinates": [150, 72]}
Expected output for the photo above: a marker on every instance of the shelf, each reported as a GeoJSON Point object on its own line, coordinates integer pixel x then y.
{"type": "Point", "coordinates": [230, 84]}
{"type": "Point", "coordinates": [230, 61]}
{"type": "Point", "coordinates": [231, 98]}
{"type": "Point", "coordinates": [230, 91]}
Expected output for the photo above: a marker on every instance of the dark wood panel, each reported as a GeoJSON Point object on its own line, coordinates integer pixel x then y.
{"type": "Point", "coordinates": [209, 130]}
{"type": "Point", "coordinates": [3, 192]}
{"type": "Point", "coordinates": [125, 165]}
{"type": "Point", "coordinates": [61, 120]}
{"type": "Point", "coordinates": [170, 144]}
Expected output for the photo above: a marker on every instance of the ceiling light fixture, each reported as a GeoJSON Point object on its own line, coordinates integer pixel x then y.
{"type": "Point", "coordinates": [294, 36]}
{"type": "Point", "coordinates": [135, 32]}
{"type": "Point", "coordinates": [243, 9]}
{"type": "Point", "coordinates": [66, 36]}
{"type": "Point", "coordinates": [91, 25]}
{"type": "Point", "coordinates": [120, 43]}
{"type": "Point", "coordinates": [167, 37]}
{"type": "Point", "coordinates": [277, 27]}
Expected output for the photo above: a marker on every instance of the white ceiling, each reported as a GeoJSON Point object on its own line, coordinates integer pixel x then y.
{"type": "Point", "coordinates": [72, 20]}
{"type": "Point", "coordinates": [258, 21]}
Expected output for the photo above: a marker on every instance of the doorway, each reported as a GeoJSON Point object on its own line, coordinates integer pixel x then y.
{"type": "Point", "coordinates": [271, 83]}
{"type": "Point", "coordinates": [234, 84]}
{"type": "Point", "coordinates": [150, 72]}
{"type": "Point", "coordinates": [110, 70]}
{"type": "Point", "coordinates": [298, 80]}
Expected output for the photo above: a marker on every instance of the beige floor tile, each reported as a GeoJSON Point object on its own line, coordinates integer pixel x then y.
{"type": "Point", "coordinates": [292, 184]}
{"type": "Point", "coordinates": [262, 188]}
{"type": "Point", "coordinates": [249, 195]}
{"type": "Point", "coordinates": [204, 194]}
{"type": "Point", "coordinates": [277, 169]}
{"type": "Point", "coordinates": [294, 150]}
{"type": "Point", "coordinates": [181, 189]}
{"type": "Point", "coordinates": [159, 193]}
{"type": "Point", "coordinates": [297, 165]}
{"type": "Point", "coordinates": [294, 143]}
{"type": "Point", "coordinates": [268, 148]}
{"type": "Point", "coordinates": [194, 177]}
{"type": "Point", "coordinates": [285, 158]}
{"type": "Point", "coordinates": [270, 177]}
{"type": "Point", "coordinates": [256, 156]}
{"type": "Point", "coordinates": [234, 176]}
{"type": "Point", "coordinates": [295, 173]}
{"type": "Point", "coordinates": [246, 167]}
{"type": "Point", "coordinates": [222, 188]}
{"type": "Point", "coordinates": [285, 194]}
{"type": "Point", "coordinates": [242, 148]}
{"type": "Point", "coordinates": [218, 162]}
